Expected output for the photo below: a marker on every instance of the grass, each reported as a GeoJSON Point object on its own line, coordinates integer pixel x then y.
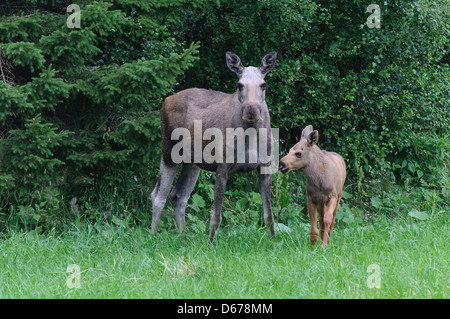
{"type": "Point", "coordinates": [243, 262]}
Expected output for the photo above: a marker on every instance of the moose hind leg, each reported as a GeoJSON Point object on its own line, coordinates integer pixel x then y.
{"type": "Point", "coordinates": [327, 220]}
{"type": "Point", "coordinates": [334, 214]}
{"type": "Point", "coordinates": [182, 190]}
{"type": "Point", "coordinates": [159, 194]}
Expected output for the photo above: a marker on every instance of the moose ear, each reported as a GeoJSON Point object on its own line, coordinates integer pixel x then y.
{"type": "Point", "coordinates": [306, 132]}
{"type": "Point", "coordinates": [234, 62]}
{"type": "Point", "coordinates": [268, 62]}
{"type": "Point", "coordinates": [313, 138]}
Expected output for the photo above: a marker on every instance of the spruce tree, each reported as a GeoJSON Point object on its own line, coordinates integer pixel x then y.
{"type": "Point", "coordinates": [79, 105]}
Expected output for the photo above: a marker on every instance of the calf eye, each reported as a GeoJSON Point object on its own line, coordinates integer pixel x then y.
{"type": "Point", "coordinates": [240, 86]}
{"type": "Point", "coordinates": [298, 154]}
{"type": "Point", "coordinates": [263, 86]}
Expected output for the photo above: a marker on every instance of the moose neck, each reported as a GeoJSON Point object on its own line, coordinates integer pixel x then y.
{"type": "Point", "coordinates": [314, 170]}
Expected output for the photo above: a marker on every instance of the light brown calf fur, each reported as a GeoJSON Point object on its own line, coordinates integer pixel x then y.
{"type": "Point", "coordinates": [325, 176]}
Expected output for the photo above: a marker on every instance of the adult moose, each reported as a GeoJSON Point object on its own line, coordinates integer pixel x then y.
{"type": "Point", "coordinates": [245, 108]}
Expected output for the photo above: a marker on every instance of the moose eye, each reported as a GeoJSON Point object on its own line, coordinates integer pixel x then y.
{"type": "Point", "coordinates": [263, 86]}
{"type": "Point", "coordinates": [240, 86]}
{"type": "Point", "coordinates": [298, 154]}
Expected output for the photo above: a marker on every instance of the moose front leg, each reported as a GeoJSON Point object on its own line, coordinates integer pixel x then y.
{"type": "Point", "coordinates": [265, 188]}
{"type": "Point", "coordinates": [219, 191]}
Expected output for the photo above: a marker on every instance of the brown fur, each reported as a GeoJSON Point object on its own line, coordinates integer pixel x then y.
{"type": "Point", "coordinates": [325, 177]}
{"type": "Point", "coordinates": [244, 108]}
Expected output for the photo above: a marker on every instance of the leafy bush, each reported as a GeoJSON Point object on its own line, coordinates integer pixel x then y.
{"type": "Point", "coordinates": [79, 108]}
{"type": "Point", "coordinates": [379, 97]}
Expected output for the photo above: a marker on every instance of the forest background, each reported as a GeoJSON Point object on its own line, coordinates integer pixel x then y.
{"type": "Point", "coordinates": [79, 104]}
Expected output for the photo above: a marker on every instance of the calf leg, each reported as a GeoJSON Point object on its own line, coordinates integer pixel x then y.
{"type": "Point", "coordinates": [328, 218]}
{"type": "Point", "coordinates": [182, 190]}
{"type": "Point", "coordinates": [334, 213]}
{"type": "Point", "coordinates": [321, 209]}
{"type": "Point", "coordinates": [314, 234]}
{"type": "Point", "coordinates": [265, 188]}
{"type": "Point", "coordinates": [159, 194]}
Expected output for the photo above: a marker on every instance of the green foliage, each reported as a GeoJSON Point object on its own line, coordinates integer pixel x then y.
{"type": "Point", "coordinates": [418, 214]}
{"type": "Point", "coordinates": [245, 210]}
{"type": "Point", "coordinates": [24, 54]}
{"type": "Point", "coordinates": [196, 221]}
{"type": "Point", "coordinates": [30, 153]}
{"type": "Point", "coordinates": [349, 81]}
{"type": "Point", "coordinates": [79, 108]}
{"type": "Point", "coordinates": [379, 97]}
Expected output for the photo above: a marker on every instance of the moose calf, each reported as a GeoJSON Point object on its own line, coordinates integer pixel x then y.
{"type": "Point", "coordinates": [325, 176]}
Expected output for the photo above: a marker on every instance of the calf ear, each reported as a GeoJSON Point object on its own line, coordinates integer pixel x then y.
{"type": "Point", "coordinates": [234, 62]}
{"type": "Point", "coordinates": [268, 62]}
{"type": "Point", "coordinates": [306, 132]}
{"type": "Point", "coordinates": [313, 138]}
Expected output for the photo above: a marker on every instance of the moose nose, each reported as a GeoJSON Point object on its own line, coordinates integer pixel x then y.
{"type": "Point", "coordinates": [251, 113]}
{"type": "Point", "coordinates": [250, 118]}
{"type": "Point", "coordinates": [251, 121]}
{"type": "Point", "coordinates": [283, 168]}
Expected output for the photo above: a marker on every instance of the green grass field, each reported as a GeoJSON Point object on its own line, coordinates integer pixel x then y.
{"type": "Point", "coordinates": [412, 259]}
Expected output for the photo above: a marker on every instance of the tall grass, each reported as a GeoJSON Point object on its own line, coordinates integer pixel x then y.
{"type": "Point", "coordinates": [243, 262]}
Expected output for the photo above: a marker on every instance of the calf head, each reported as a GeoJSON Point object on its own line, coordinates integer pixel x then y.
{"type": "Point", "coordinates": [299, 155]}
